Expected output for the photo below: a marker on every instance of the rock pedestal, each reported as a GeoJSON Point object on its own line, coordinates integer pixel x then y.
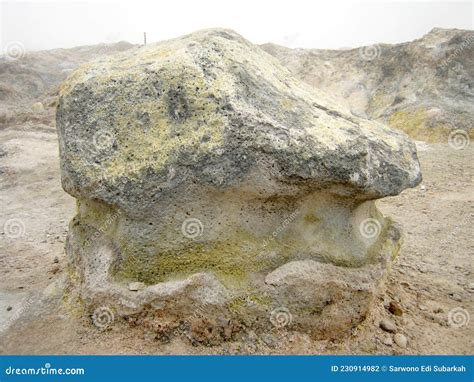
{"type": "Point", "coordinates": [239, 197]}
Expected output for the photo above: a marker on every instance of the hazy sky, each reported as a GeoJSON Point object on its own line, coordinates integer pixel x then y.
{"type": "Point", "coordinates": [294, 23]}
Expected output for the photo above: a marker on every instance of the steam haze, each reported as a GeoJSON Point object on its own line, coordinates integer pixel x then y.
{"type": "Point", "coordinates": [296, 23]}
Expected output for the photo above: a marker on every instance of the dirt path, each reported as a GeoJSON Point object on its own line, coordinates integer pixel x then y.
{"type": "Point", "coordinates": [432, 279]}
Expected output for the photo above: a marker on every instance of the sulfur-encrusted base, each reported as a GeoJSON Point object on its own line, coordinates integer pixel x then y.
{"type": "Point", "coordinates": [316, 272]}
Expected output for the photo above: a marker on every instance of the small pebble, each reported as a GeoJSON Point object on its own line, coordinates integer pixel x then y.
{"type": "Point", "coordinates": [455, 297]}
{"type": "Point", "coordinates": [149, 336]}
{"type": "Point", "coordinates": [56, 260]}
{"type": "Point", "coordinates": [269, 340]}
{"type": "Point", "coordinates": [388, 325]}
{"type": "Point", "coordinates": [400, 340]}
{"type": "Point", "coordinates": [136, 286]}
{"type": "Point", "coordinates": [387, 340]}
{"type": "Point", "coordinates": [395, 308]}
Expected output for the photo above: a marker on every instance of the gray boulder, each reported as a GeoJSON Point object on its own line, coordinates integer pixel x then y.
{"type": "Point", "coordinates": [201, 166]}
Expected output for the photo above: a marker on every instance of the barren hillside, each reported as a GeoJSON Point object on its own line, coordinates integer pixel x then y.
{"type": "Point", "coordinates": [424, 87]}
{"type": "Point", "coordinates": [35, 78]}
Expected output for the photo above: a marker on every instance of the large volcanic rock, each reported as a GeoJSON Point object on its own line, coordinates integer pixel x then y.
{"type": "Point", "coordinates": [204, 170]}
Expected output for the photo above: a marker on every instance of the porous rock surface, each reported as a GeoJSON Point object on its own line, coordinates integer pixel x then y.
{"type": "Point", "coordinates": [240, 197]}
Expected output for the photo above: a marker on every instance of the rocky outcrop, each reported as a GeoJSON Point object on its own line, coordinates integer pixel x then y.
{"type": "Point", "coordinates": [239, 196]}
{"type": "Point", "coordinates": [423, 87]}
{"type": "Point", "coordinates": [27, 78]}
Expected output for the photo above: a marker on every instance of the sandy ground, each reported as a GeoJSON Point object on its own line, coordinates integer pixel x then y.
{"type": "Point", "coordinates": [432, 279]}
